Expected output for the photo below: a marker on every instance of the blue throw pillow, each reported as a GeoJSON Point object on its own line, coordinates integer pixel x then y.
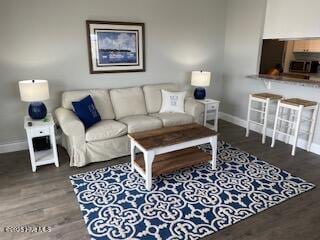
{"type": "Point", "coordinates": [86, 111]}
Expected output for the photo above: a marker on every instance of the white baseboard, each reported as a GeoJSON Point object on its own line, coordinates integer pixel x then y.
{"type": "Point", "coordinates": [13, 146]}
{"type": "Point", "coordinates": [315, 148]}
{"type": "Point", "coordinates": [19, 145]}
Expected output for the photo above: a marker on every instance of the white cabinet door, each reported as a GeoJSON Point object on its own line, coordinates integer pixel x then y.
{"type": "Point", "coordinates": [292, 19]}
{"type": "Point", "coordinates": [300, 46]}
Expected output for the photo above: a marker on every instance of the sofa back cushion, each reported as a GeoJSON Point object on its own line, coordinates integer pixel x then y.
{"type": "Point", "coordinates": [153, 96]}
{"type": "Point", "coordinates": [100, 98]}
{"type": "Point", "coordinates": [128, 102]}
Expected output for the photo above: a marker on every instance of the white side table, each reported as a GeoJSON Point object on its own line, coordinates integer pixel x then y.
{"type": "Point", "coordinates": [210, 106]}
{"type": "Point", "coordinates": [40, 128]}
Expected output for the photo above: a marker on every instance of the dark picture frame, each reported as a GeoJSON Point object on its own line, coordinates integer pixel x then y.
{"type": "Point", "coordinates": [115, 47]}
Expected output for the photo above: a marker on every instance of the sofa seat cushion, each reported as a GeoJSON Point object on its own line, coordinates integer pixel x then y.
{"type": "Point", "coordinates": [105, 129]}
{"type": "Point", "coordinates": [173, 119]}
{"type": "Point", "coordinates": [141, 123]}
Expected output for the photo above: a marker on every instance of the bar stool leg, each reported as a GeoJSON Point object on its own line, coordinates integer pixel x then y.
{"type": "Point", "coordinates": [281, 112]}
{"type": "Point", "coordinates": [313, 124]}
{"type": "Point", "coordinates": [265, 121]}
{"type": "Point", "coordinates": [290, 125]}
{"type": "Point", "coordinates": [262, 113]}
{"type": "Point", "coordinates": [248, 116]}
{"type": "Point", "coordinates": [275, 124]}
{"type": "Point", "coordinates": [296, 131]}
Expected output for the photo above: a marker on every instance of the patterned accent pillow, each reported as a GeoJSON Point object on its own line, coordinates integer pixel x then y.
{"type": "Point", "coordinates": [86, 111]}
{"type": "Point", "coordinates": [172, 101]}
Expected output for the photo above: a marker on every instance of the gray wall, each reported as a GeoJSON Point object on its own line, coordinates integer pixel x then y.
{"type": "Point", "coordinates": [244, 27]}
{"type": "Point", "coordinates": [46, 39]}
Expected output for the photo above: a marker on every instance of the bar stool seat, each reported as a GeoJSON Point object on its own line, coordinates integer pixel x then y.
{"type": "Point", "coordinates": [298, 102]}
{"type": "Point", "coordinates": [295, 106]}
{"type": "Point", "coordinates": [267, 95]}
{"type": "Point", "coordinates": [265, 99]}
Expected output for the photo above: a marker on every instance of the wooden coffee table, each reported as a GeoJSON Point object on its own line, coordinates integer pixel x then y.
{"type": "Point", "coordinates": [168, 149]}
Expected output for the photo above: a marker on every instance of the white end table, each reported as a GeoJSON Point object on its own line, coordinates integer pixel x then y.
{"type": "Point", "coordinates": [210, 106]}
{"type": "Point", "coordinates": [41, 128]}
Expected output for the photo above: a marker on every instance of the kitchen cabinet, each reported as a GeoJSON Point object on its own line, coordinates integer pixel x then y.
{"type": "Point", "coordinates": [306, 46]}
{"type": "Point", "coordinates": [300, 46]}
{"type": "Point", "coordinates": [313, 45]}
{"type": "Point", "coordinates": [288, 19]}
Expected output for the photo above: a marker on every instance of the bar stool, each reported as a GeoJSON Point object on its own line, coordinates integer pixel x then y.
{"type": "Point", "coordinates": [295, 106]}
{"type": "Point", "coordinates": [265, 99]}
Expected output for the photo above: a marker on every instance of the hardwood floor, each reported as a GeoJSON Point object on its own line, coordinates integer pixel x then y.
{"type": "Point", "coordinates": [46, 197]}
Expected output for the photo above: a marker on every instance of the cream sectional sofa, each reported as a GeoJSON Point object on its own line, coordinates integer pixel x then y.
{"type": "Point", "coordinates": [122, 111]}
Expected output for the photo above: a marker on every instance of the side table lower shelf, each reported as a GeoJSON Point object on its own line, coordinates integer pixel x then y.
{"type": "Point", "coordinates": [173, 161]}
{"type": "Point", "coordinates": [44, 157]}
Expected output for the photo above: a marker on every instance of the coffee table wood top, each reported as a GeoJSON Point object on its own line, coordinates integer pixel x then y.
{"type": "Point", "coordinates": [171, 135]}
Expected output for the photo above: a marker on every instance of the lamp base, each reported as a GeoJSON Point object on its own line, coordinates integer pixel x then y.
{"type": "Point", "coordinates": [200, 93]}
{"type": "Point", "coordinates": [37, 110]}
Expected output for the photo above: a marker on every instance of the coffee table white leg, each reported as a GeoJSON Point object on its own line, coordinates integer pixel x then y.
{"type": "Point", "coordinates": [148, 159]}
{"type": "Point", "coordinates": [133, 154]}
{"type": "Point", "coordinates": [213, 142]}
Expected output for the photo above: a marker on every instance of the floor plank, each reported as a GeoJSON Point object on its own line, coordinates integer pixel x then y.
{"type": "Point", "coordinates": [46, 197]}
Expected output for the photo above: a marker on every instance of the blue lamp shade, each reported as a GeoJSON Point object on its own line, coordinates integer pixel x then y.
{"type": "Point", "coordinates": [35, 91]}
{"type": "Point", "coordinates": [200, 79]}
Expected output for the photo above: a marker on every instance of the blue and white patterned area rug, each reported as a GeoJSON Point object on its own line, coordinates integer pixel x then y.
{"type": "Point", "coordinates": [188, 204]}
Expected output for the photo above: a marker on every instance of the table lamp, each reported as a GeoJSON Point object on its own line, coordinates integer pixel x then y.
{"type": "Point", "coordinates": [35, 91]}
{"type": "Point", "coordinates": [200, 79]}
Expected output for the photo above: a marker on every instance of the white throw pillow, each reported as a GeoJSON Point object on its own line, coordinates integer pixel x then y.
{"type": "Point", "coordinates": [172, 101]}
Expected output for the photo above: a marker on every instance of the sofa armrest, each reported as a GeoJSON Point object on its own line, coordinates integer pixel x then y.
{"type": "Point", "coordinates": [195, 109]}
{"type": "Point", "coordinates": [69, 122]}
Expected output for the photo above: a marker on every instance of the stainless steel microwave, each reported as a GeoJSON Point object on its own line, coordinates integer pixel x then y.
{"type": "Point", "coordinates": [304, 66]}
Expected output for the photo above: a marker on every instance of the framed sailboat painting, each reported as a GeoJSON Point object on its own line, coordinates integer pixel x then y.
{"type": "Point", "coordinates": [115, 46]}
